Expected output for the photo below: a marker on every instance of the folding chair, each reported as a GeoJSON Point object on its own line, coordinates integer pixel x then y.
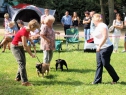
{"type": "Point", "coordinates": [72, 37]}
{"type": "Point", "coordinates": [58, 43]}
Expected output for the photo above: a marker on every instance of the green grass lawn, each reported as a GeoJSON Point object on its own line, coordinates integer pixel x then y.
{"type": "Point", "coordinates": [76, 81]}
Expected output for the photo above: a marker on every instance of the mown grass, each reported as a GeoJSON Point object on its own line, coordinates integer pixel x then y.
{"type": "Point", "coordinates": [76, 81]}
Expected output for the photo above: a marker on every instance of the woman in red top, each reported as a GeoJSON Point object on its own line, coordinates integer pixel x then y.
{"type": "Point", "coordinates": [18, 50]}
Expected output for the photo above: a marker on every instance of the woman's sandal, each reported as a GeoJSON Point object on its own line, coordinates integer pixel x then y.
{"type": "Point", "coordinates": [26, 84]}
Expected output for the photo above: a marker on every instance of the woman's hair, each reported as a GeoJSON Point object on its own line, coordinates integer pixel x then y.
{"type": "Point", "coordinates": [20, 22]}
{"type": "Point", "coordinates": [75, 13]}
{"type": "Point", "coordinates": [49, 18]}
{"type": "Point", "coordinates": [87, 12]}
{"type": "Point", "coordinates": [33, 24]}
{"type": "Point", "coordinates": [6, 15]}
{"type": "Point", "coordinates": [97, 17]}
{"type": "Point", "coordinates": [118, 14]}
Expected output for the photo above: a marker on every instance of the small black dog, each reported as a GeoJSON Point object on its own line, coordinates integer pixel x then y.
{"type": "Point", "coordinates": [60, 63]}
{"type": "Point", "coordinates": [42, 68]}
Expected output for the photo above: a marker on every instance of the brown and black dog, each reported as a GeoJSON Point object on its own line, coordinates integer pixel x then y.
{"type": "Point", "coordinates": [42, 68]}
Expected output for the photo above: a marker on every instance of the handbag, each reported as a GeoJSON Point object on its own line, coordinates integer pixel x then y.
{"type": "Point", "coordinates": [111, 29]}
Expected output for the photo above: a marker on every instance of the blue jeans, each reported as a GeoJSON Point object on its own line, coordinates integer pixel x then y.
{"type": "Point", "coordinates": [87, 34]}
{"type": "Point", "coordinates": [34, 41]}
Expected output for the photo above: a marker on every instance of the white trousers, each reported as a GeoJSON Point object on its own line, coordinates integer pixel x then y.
{"type": "Point", "coordinates": [115, 41]}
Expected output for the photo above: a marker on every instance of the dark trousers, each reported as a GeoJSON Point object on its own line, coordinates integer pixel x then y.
{"type": "Point", "coordinates": [103, 59]}
{"type": "Point", "coordinates": [19, 54]}
{"type": "Point", "coordinates": [66, 27]}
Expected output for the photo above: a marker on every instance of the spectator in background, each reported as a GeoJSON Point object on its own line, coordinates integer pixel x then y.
{"type": "Point", "coordinates": [4, 5]}
{"type": "Point", "coordinates": [35, 38]}
{"type": "Point", "coordinates": [6, 20]}
{"type": "Point", "coordinates": [104, 50]}
{"type": "Point", "coordinates": [46, 14]}
{"type": "Point", "coordinates": [46, 11]}
{"type": "Point", "coordinates": [115, 12]}
{"type": "Point", "coordinates": [75, 20]}
{"type": "Point", "coordinates": [86, 22]}
{"type": "Point", "coordinates": [66, 21]}
{"type": "Point", "coordinates": [18, 51]}
{"type": "Point", "coordinates": [9, 35]}
{"type": "Point", "coordinates": [92, 25]}
{"type": "Point", "coordinates": [125, 35]}
{"type": "Point", "coordinates": [20, 24]}
{"type": "Point", "coordinates": [118, 25]}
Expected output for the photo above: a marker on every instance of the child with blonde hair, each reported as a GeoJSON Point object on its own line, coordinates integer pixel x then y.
{"type": "Point", "coordinates": [9, 35]}
{"type": "Point", "coordinates": [6, 20]}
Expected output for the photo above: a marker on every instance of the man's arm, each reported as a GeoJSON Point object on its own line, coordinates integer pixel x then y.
{"type": "Point", "coordinates": [62, 21]}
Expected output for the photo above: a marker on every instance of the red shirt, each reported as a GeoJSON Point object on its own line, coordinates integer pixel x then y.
{"type": "Point", "coordinates": [19, 34]}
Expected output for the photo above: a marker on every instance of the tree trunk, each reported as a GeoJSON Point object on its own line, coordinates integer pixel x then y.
{"type": "Point", "coordinates": [102, 10]}
{"type": "Point", "coordinates": [111, 11]}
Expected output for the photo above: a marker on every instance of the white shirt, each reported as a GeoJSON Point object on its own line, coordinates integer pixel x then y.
{"type": "Point", "coordinates": [34, 33]}
{"type": "Point", "coordinates": [125, 18]}
{"type": "Point", "coordinates": [97, 35]}
{"type": "Point", "coordinates": [117, 31]}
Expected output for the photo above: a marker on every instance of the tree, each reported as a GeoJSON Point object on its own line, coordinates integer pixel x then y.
{"type": "Point", "coordinates": [111, 9]}
{"type": "Point", "coordinates": [102, 10]}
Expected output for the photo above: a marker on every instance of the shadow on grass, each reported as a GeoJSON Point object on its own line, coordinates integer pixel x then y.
{"type": "Point", "coordinates": [80, 70]}
{"type": "Point", "coordinates": [108, 83]}
{"type": "Point", "coordinates": [11, 87]}
{"type": "Point", "coordinates": [50, 76]}
{"type": "Point", "coordinates": [122, 83]}
{"type": "Point", "coordinates": [56, 82]}
{"type": "Point", "coordinates": [121, 47]}
{"type": "Point", "coordinates": [74, 70]}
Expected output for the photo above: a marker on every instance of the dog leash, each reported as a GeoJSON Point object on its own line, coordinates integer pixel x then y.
{"type": "Point", "coordinates": [38, 59]}
{"type": "Point", "coordinates": [35, 54]}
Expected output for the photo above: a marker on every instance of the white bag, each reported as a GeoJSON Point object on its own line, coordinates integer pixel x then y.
{"type": "Point", "coordinates": [111, 29]}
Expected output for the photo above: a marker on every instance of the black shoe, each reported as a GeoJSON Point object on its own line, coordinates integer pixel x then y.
{"type": "Point", "coordinates": [115, 82]}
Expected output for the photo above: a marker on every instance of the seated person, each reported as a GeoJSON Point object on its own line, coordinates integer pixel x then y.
{"type": "Point", "coordinates": [20, 24]}
{"type": "Point", "coordinates": [9, 35]}
{"type": "Point", "coordinates": [35, 38]}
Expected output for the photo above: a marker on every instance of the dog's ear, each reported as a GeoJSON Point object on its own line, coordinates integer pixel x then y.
{"type": "Point", "coordinates": [36, 65]}
{"type": "Point", "coordinates": [56, 60]}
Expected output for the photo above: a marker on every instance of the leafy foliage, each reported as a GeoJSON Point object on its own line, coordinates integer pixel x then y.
{"type": "Point", "coordinates": [75, 5]}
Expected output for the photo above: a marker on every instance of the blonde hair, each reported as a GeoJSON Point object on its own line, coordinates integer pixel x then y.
{"type": "Point", "coordinates": [33, 24]}
{"type": "Point", "coordinates": [6, 15]}
{"type": "Point", "coordinates": [12, 23]}
{"type": "Point", "coordinates": [97, 17]}
{"type": "Point", "coordinates": [49, 18]}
